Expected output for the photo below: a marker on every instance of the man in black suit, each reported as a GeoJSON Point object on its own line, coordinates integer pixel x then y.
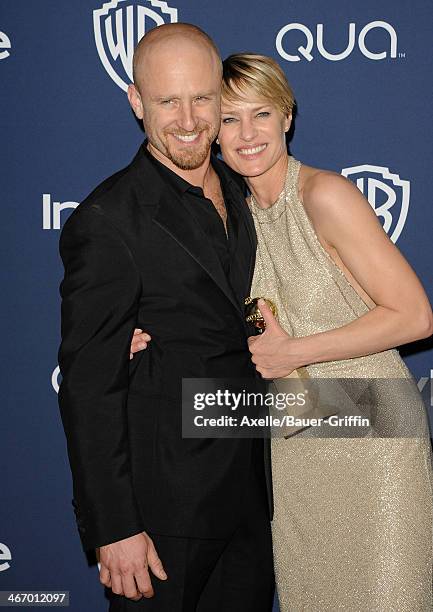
{"type": "Point", "coordinates": [168, 245]}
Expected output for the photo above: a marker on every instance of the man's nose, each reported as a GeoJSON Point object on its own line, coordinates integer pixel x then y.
{"type": "Point", "coordinates": [186, 118]}
{"type": "Point", "coordinates": [248, 131]}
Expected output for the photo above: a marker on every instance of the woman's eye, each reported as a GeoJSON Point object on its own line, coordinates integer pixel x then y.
{"type": "Point", "coordinates": [228, 120]}
{"type": "Point", "coordinates": [264, 114]}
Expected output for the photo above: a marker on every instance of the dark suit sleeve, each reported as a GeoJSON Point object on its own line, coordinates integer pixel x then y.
{"type": "Point", "coordinates": [99, 306]}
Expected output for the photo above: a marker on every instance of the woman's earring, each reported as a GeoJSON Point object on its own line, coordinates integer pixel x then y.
{"type": "Point", "coordinates": [217, 141]}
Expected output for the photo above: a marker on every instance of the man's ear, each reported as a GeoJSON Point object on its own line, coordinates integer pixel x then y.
{"type": "Point", "coordinates": [135, 101]}
{"type": "Point", "coordinates": [287, 122]}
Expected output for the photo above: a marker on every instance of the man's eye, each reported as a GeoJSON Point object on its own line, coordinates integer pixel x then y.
{"type": "Point", "coordinates": [166, 102]}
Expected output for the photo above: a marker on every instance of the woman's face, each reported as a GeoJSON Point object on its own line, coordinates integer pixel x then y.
{"type": "Point", "coordinates": [252, 134]}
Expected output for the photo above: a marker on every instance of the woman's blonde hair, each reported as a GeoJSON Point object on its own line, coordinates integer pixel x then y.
{"type": "Point", "coordinates": [246, 72]}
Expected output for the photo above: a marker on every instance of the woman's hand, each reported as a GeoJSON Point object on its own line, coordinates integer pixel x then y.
{"type": "Point", "coordinates": [274, 353]}
{"type": "Point", "coordinates": [139, 342]}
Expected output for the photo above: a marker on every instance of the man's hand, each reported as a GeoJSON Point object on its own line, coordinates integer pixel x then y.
{"type": "Point", "coordinates": [125, 566]}
{"type": "Point", "coordinates": [274, 353]}
{"type": "Point", "coordinates": [139, 342]}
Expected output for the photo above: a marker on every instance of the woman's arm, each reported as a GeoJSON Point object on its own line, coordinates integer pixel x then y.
{"type": "Point", "coordinates": [349, 230]}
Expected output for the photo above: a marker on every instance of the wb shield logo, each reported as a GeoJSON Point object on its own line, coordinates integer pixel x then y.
{"type": "Point", "coordinates": [387, 193]}
{"type": "Point", "coordinates": [119, 25]}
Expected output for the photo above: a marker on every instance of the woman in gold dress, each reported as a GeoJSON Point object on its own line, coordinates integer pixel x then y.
{"type": "Point", "coordinates": [352, 527]}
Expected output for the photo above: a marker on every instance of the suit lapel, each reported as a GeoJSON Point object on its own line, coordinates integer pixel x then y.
{"type": "Point", "coordinates": [174, 218]}
{"type": "Point", "coordinates": [245, 255]}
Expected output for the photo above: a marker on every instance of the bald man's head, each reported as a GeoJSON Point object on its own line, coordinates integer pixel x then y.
{"type": "Point", "coordinates": [174, 36]}
{"type": "Point", "coordinates": [177, 93]}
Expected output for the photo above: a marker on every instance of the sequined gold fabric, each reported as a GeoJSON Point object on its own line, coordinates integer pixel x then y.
{"type": "Point", "coordinates": [353, 517]}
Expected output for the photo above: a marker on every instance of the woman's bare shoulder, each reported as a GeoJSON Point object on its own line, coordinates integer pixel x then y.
{"type": "Point", "coordinates": [324, 192]}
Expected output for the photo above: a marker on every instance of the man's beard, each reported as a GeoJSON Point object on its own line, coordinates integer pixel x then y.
{"type": "Point", "coordinates": [193, 157]}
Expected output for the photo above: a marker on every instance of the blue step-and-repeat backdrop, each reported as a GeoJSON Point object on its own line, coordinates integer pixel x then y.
{"type": "Point", "coordinates": [362, 74]}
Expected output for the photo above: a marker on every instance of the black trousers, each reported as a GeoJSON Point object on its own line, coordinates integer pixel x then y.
{"type": "Point", "coordinates": [231, 575]}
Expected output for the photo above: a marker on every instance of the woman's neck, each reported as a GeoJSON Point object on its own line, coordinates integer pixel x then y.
{"type": "Point", "coordinates": [267, 187]}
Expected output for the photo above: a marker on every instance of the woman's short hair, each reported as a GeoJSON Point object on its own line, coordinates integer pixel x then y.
{"type": "Point", "coordinates": [246, 72]}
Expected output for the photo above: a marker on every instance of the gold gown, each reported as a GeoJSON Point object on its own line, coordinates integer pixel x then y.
{"type": "Point", "coordinates": [352, 528]}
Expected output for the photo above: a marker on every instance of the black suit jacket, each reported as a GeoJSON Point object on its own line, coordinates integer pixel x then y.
{"type": "Point", "coordinates": [134, 256]}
